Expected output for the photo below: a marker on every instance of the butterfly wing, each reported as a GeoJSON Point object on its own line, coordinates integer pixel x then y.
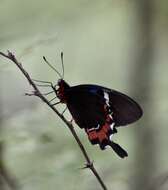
{"type": "Point", "coordinates": [88, 100]}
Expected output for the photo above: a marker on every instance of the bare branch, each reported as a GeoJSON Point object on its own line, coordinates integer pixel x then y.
{"type": "Point", "coordinates": [89, 163]}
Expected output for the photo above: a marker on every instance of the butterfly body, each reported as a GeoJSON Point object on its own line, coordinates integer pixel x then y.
{"type": "Point", "coordinates": [99, 110]}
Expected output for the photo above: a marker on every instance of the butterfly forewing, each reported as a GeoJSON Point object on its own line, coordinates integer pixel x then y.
{"type": "Point", "coordinates": [86, 107]}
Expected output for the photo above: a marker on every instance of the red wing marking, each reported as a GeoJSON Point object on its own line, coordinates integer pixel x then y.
{"type": "Point", "coordinates": [101, 134]}
{"type": "Point", "coordinates": [92, 135]}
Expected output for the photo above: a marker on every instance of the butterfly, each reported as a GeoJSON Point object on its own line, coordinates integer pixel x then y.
{"type": "Point", "coordinates": [98, 110]}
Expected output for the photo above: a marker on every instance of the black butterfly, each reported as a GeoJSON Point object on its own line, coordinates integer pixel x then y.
{"type": "Point", "coordinates": [98, 110]}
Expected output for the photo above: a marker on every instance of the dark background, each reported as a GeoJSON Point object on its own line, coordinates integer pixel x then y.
{"type": "Point", "coordinates": [119, 44]}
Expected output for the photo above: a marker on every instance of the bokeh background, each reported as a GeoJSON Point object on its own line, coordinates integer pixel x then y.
{"type": "Point", "coordinates": [119, 44]}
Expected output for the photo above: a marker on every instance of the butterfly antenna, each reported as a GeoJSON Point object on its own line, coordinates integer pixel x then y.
{"type": "Point", "coordinates": [52, 67]}
{"type": "Point", "coordinates": [62, 62]}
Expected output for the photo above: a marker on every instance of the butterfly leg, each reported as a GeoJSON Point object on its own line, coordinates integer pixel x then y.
{"type": "Point", "coordinates": [55, 103]}
{"type": "Point", "coordinates": [64, 110]}
{"type": "Point", "coordinates": [44, 83]}
{"type": "Point", "coordinates": [34, 93]}
{"type": "Point", "coordinates": [52, 99]}
{"type": "Point", "coordinates": [47, 93]}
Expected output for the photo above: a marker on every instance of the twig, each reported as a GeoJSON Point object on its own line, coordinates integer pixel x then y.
{"type": "Point", "coordinates": [89, 163]}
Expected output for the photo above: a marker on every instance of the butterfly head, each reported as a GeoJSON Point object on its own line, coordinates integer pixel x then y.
{"type": "Point", "coordinates": [61, 91]}
{"type": "Point", "coordinates": [61, 87]}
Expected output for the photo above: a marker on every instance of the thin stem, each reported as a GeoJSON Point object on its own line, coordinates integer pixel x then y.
{"type": "Point", "coordinates": [89, 163]}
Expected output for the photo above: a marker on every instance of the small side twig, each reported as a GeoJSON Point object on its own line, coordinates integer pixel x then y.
{"type": "Point", "coordinates": [89, 163]}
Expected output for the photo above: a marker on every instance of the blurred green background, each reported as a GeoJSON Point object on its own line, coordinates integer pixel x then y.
{"type": "Point", "coordinates": [119, 44]}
